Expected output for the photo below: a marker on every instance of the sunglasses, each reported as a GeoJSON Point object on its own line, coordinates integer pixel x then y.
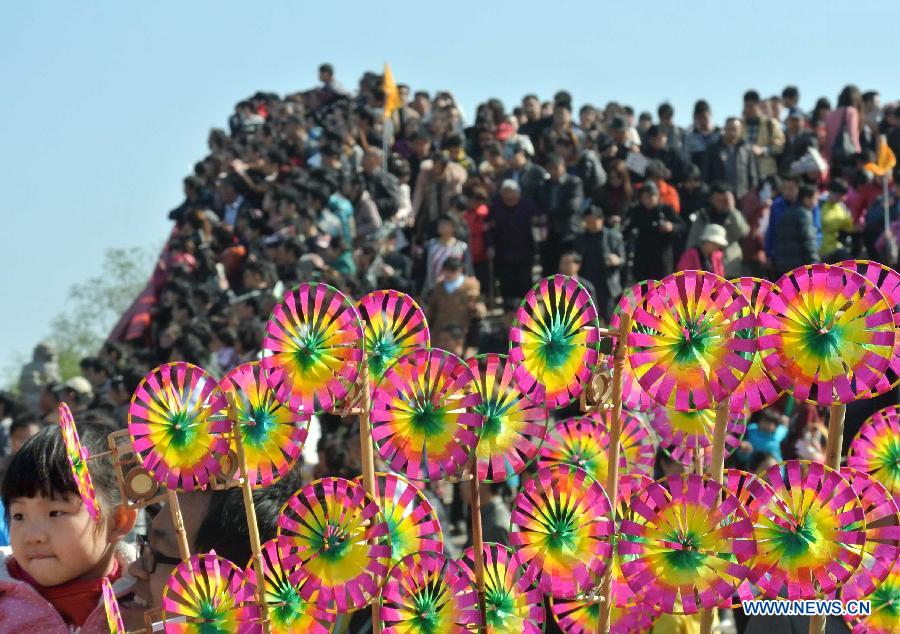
{"type": "Point", "coordinates": [150, 557]}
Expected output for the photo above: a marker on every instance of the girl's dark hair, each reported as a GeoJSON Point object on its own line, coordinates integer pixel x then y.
{"type": "Point", "coordinates": [41, 468]}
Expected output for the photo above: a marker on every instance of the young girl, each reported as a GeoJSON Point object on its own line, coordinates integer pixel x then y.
{"type": "Point", "coordinates": [52, 581]}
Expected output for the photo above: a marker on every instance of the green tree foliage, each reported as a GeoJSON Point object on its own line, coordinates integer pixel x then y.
{"type": "Point", "coordinates": [94, 306]}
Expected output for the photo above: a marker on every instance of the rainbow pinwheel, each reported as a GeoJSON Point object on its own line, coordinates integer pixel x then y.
{"type": "Point", "coordinates": [512, 604]}
{"type": "Point", "coordinates": [810, 536]}
{"type": "Point", "coordinates": [111, 605]}
{"type": "Point", "coordinates": [272, 433]}
{"type": "Point", "coordinates": [173, 426]}
{"type": "Point", "coordinates": [394, 325]}
{"type": "Point", "coordinates": [681, 434]}
{"type": "Point", "coordinates": [876, 448]}
{"type": "Point", "coordinates": [580, 617]}
{"type": "Point", "coordinates": [513, 427]}
{"type": "Point", "coordinates": [622, 596]}
{"type": "Point", "coordinates": [580, 442]}
{"type": "Point", "coordinates": [78, 457]}
{"type": "Point", "coordinates": [886, 280]}
{"type": "Point", "coordinates": [429, 593]}
{"type": "Point", "coordinates": [553, 341]}
{"type": "Point", "coordinates": [412, 524]}
{"type": "Point", "coordinates": [752, 492]}
{"type": "Point", "coordinates": [424, 419]}
{"type": "Point", "coordinates": [885, 605]}
{"type": "Point", "coordinates": [637, 441]}
{"type": "Point", "coordinates": [688, 546]}
{"type": "Point", "coordinates": [633, 395]}
{"type": "Point", "coordinates": [313, 344]}
{"type": "Point", "coordinates": [881, 550]}
{"type": "Point", "coordinates": [208, 595]}
{"type": "Point", "coordinates": [757, 391]}
{"type": "Point", "coordinates": [692, 340]}
{"type": "Point", "coordinates": [562, 530]}
{"type": "Point", "coordinates": [337, 536]}
{"type": "Point", "coordinates": [288, 611]}
{"type": "Point", "coordinates": [827, 334]}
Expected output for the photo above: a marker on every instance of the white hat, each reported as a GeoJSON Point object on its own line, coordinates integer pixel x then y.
{"type": "Point", "coordinates": [716, 234]}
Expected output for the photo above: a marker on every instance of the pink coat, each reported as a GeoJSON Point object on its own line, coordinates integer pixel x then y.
{"type": "Point", "coordinates": [690, 261]}
{"type": "Point", "coordinates": [22, 609]}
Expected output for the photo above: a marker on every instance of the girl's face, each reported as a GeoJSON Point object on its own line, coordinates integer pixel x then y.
{"type": "Point", "coordinates": [55, 540]}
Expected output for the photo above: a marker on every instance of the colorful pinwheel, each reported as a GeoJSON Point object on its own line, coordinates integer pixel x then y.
{"type": "Point", "coordinates": [394, 325]}
{"type": "Point", "coordinates": [580, 442]}
{"type": "Point", "coordinates": [428, 593]}
{"type": "Point", "coordinates": [78, 457]}
{"type": "Point", "coordinates": [827, 334]}
{"type": "Point", "coordinates": [876, 448]}
{"type": "Point", "coordinates": [810, 536]}
{"type": "Point", "coordinates": [288, 611]}
{"type": "Point", "coordinates": [513, 427]}
{"type": "Point", "coordinates": [553, 341]}
{"type": "Point", "coordinates": [113, 615]}
{"type": "Point", "coordinates": [886, 280]}
{"type": "Point", "coordinates": [885, 606]}
{"type": "Point", "coordinates": [512, 604]}
{"type": "Point", "coordinates": [336, 534]}
{"type": "Point", "coordinates": [173, 426]}
{"type": "Point", "coordinates": [633, 395]}
{"type": "Point", "coordinates": [581, 617]}
{"type": "Point", "coordinates": [563, 531]}
{"type": "Point", "coordinates": [692, 340]}
{"type": "Point", "coordinates": [208, 594]}
{"type": "Point", "coordinates": [313, 344]}
{"type": "Point", "coordinates": [881, 550]}
{"type": "Point", "coordinates": [681, 434]}
{"type": "Point", "coordinates": [272, 433]}
{"type": "Point", "coordinates": [412, 524]}
{"type": "Point", "coordinates": [423, 415]}
{"type": "Point", "coordinates": [757, 391]}
{"type": "Point", "coordinates": [753, 493]}
{"type": "Point", "coordinates": [637, 441]}
{"type": "Point", "coordinates": [688, 546]}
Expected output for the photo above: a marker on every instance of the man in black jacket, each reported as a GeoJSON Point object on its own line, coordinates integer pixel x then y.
{"type": "Point", "coordinates": [657, 148]}
{"type": "Point", "coordinates": [796, 242]}
{"type": "Point", "coordinates": [521, 169]}
{"type": "Point", "coordinates": [731, 160]}
{"type": "Point", "coordinates": [383, 187]}
{"type": "Point", "coordinates": [651, 230]}
{"type": "Point", "coordinates": [602, 251]}
{"type": "Point", "coordinates": [584, 164]}
{"type": "Point", "coordinates": [559, 199]}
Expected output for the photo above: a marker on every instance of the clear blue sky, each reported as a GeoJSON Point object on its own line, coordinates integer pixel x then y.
{"type": "Point", "coordinates": [106, 105]}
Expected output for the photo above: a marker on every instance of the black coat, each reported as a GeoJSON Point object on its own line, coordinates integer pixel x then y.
{"type": "Point", "coordinates": [594, 247]}
{"type": "Point", "coordinates": [590, 170]}
{"type": "Point", "coordinates": [561, 201]}
{"type": "Point", "coordinates": [530, 179]}
{"type": "Point", "coordinates": [746, 169]}
{"type": "Point", "coordinates": [653, 251]}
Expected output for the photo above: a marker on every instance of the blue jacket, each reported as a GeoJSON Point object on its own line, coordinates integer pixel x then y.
{"type": "Point", "coordinates": [779, 206]}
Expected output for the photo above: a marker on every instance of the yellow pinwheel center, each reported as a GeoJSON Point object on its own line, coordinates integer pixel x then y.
{"type": "Point", "coordinates": [886, 600]}
{"type": "Point", "coordinates": [309, 348]}
{"type": "Point", "coordinates": [428, 418]}
{"type": "Point", "coordinates": [688, 557]}
{"type": "Point", "coordinates": [797, 540]}
{"type": "Point", "coordinates": [181, 429]}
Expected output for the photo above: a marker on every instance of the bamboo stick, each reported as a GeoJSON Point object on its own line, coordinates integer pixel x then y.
{"type": "Point", "coordinates": [368, 461]}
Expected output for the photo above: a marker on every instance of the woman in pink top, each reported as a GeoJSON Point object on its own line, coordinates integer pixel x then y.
{"type": "Point", "coordinates": [849, 106]}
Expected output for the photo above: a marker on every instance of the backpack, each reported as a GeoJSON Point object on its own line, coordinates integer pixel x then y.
{"type": "Point", "coordinates": [843, 147]}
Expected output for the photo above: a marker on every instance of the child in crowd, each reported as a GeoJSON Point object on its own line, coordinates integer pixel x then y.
{"type": "Point", "coordinates": [52, 582]}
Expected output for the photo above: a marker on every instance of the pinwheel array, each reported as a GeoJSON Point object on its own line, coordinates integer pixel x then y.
{"type": "Point", "coordinates": [583, 443]}
{"type": "Point", "coordinates": [393, 325]}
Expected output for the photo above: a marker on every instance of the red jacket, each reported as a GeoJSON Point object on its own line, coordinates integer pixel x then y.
{"type": "Point", "coordinates": [692, 260]}
{"type": "Point", "coordinates": [475, 220]}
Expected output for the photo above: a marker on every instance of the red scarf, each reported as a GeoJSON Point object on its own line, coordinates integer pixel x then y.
{"type": "Point", "coordinates": [74, 600]}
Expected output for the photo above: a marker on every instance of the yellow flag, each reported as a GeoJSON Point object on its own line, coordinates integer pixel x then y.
{"type": "Point", "coordinates": [391, 94]}
{"type": "Point", "coordinates": [885, 161]}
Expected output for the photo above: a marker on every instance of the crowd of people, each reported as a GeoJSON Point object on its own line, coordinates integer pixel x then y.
{"type": "Point", "coordinates": [325, 185]}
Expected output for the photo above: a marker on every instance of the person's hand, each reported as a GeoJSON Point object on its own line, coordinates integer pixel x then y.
{"type": "Point", "coordinates": [757, 150]}
{"type": "Point", "coordinates": [729, 196]}
{"type": "Point", "coordinates": [388, 270]}
{"type": "Point", "coordinates": [613, 260]}
{"type": "Point", "coordinates": [666, 227]}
